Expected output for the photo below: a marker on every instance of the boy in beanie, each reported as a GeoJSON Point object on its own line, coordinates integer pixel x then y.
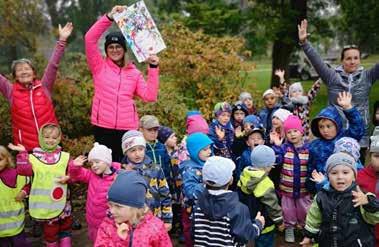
{"type": "Point", "coordinates": [292, 156]}
{"type": "Point", "coordinates": [246, 99]}
{"type": "Point", "coordinates": [221, 130]}
{"type": "Point", "coordinates": [341, 214]}
{"type": "Point", "coordinates": [131, 223]}
{"type": "Point", "coordinates": [251, 122]}
{"type": "Point", "coordinates": [270, 100]}
{"type": "Point", "coordinates": [257, 191]}
{"type": "Point", "coordinates": [158, 196]}
{"type": "Point", "coordinates": [199, 148]}
{"type": "Point", "coordinates": [219, 212]}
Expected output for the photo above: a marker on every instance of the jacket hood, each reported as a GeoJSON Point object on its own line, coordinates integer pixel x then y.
{"type": "Point", "coordinates": [217, 206]}
{"type": "Point", "coordinates": [250, 178]}
{"type": "Point", "coordinates": [195, 143]}
{"type": "Point", "coordinates": [339, 69]}
{"type": "Point", "coordinates": [330, 113]}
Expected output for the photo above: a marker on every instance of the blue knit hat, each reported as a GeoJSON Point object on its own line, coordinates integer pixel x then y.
{"type": "Point", "coordinates": [128, 189]}
{"type": "Point", "coordinates": [253, 120]}
{"type": "Point", "coordinates": [262, 156]}
{"type": "Point", "coordinates": [164, 133]}
{"type": "Point", "coordinates": [195, 143]}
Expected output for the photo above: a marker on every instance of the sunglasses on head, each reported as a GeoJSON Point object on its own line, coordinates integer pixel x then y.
{"type": "Point", "coordinates": [350, 47]}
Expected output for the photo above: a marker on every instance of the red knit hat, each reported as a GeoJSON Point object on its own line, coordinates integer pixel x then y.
{"type": "Point", "coordinates": [293, 122]}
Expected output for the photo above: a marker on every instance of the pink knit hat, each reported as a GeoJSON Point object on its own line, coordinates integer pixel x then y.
{"type": "Point", "coordinates": [293, 122]}
{"type": "Point", "coordinates": [196, 123]}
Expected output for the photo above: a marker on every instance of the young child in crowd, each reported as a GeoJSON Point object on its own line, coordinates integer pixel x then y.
{"type": "Point", "coordinates": [251, 122]}
{"type": "Point", "coordinates": [293, 158]}
{"type": "Point", "coordinates": [221, 130]}
{"type": "Point", "coordinates": [219, 218]}
{"type": "Point", "coordinates": [30, 99]}
{"type": "Point", "coordinates": [199, 148]}
{"type": "Point", "coordinates": [13, 189]}
{"type": "Point", "coordinates": [49, 196]}
{"type": "Point", "coordinates": [270, 100]}
{"type": "Point", "coordinates": [328, 127]}
{"type": "Point", "coordinates": [278, 119]}
{"type": "Point", "coordinates": [99, 178]}
{"type": "Point", "coordinates": [246, 99]}
{"type": "Point", "coordinates": [257, 191]}
{"type": "Point", "coordinates": [149, 126]}
{"type": "Point", "coordinates": [239, 112]}
{"type": "Point", "coordinates": [340, 214]}
{"type": "Point", "coordinates": [158, 196]}
{"type": "Point", "coordinates": [295, 100]}
{"type": "Point", "coordinates": [131, 222]}
{"type": "Point", "coordinates": [368, 177]}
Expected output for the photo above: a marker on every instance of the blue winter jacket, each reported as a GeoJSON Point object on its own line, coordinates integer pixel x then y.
{"type": "Point", "coordinates": [224, 147]}
{"type": "Point", "coordinates": [243, 161]}
{"type": "Point", "coordinates": [265, 116]}
{"type": "Point", "coordinates": [158, 154]}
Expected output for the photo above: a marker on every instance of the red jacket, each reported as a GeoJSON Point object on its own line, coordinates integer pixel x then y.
{"type": "Point", "coordinates": [367, 180]}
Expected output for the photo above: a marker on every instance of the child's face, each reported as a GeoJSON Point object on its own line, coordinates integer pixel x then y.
{"type": "Point", "coordinates": [224, 118]}
{"type": "Point", "coordinates": [136, 154]}
{"type": "Point", "coordinates": [98, 166]}
{"type": "Point", "coordinates": [120, 212]}
{"type": "Point", "coordinates": [24, 74]}
{"type": "Point", "coordinates": [239, 116]}
{"type": "Point", "coordinates": [255, 139]}
{"type": "Point", "coordinates": [172, 141]}
{"type": "Point", "coordinates": [294, 136]}
{"type": "Point", "coordinates": [205, 153]}
{"type": "Point", "coordinates": [248, 103]}
{"type": "Point", "coordinates": [247, 126]}
{"type": "Point", "coordinates": [51, 136]}
{"type": "Point", "coordinates": [3, 162]}
{"type": "Point", "coordinates": [341, 177]}
{"type": "Point", "coordinates": [270, 100]}
{"type": "Point", "coordinates": [276, 123]}
{"type": "Point", "coordinates": [150, 135]}
{"type": "Point", "coordinates": [375, 161]}
{"type": "Point", "coordinates": [296, 94]}
{"type": "Point", "coordinates": [327, 128]}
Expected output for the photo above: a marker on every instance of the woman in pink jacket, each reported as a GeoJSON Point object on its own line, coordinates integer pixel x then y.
{"type": "Point", "coordinates": [116, 83]}
{"type": "Point", "coordinates": [99, 179]}
{"type": "Point", "coordinates": [131, 223]}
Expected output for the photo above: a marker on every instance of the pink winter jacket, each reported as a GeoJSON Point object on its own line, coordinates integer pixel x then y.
{"type": "Point", "coordinates": [113, 106]}
{"type": "Point", "coordinates": [150, 232]}
{"type": "Point", "coordinates": [97, 204]}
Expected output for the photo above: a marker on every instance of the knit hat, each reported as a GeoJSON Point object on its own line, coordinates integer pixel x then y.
{"type": "Point", "coordinates": [262, 156]}
{"type": "Point", "coordinates": [218, 171]}
{"type": "Point", "coordinates": [100, 152]}
{"type": "Point", "coordinates": [41, 139]}
{"type": "Point", "coordinates": [340, 159]}
{"type": "Point", "coordinates": [164, 133]}
{"type": "Point", "coordinates": [267, 92]}
{"type": "Point", "coordinates": [255, 130]}
{"type": "Point", "coordinates": [374, 146]}
{"type": "Point", "coordinates": [293, 122]}
{"type": "Point", "coordinates": [149, 122]}
{"type": "Point", "coordinates": [131, 139]}
{"type": "Point", "coordinates": [128, 189]}
{"type": "Point", "coordinates": [196, 123]}
{"type": "Point", "coordinates": [253, 120]}
{"type": "Point", "coordinates": [115, 37]}
{"type": "Point", "coordinates": [281, 114]}
{"type": "Point", "coordinates": [348, 145]}
{"type": "Point", "coordinates": [245, 95]}
{"type": "Point", "coordinates": [295, 87]}
{"type": "Point", "coordinates": [222, 107]}
{"type": "Point", "coordinates": [239, 107]}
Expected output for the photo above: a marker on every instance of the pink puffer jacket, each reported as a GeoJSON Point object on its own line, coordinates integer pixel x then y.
{"type": "Point", "coordinates": [97, 203]}
{"type": "Point", "coordinates": [113, 106]}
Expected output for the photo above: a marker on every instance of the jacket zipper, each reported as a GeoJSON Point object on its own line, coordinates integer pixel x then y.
{"type": "Point", "coordinates": [131, 237]}
{"type": "Point", "coordinates": [32, 106]}
{"type": "Point", "coordinates": [118, 91]}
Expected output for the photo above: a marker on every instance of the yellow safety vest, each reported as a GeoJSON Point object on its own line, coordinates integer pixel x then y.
{"type": "Point", "coordinates": [47, 198]}
{"type": "Point", "coordinates": [12, 213]}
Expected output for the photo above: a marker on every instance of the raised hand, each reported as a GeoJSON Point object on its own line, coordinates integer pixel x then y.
{"type": "Point", "coordinates": [167, 226]}
{"type": "Point", "coordinates": [62, 179]}
{"type": "Point", "coordinates": [115, 9]}
{"type": "Point", "coordinates": [20, 196]}
{"type": "Point", "coordinates": [359, 198]}
{"type": "Point", "coordinates": [317, 177]}
{"type": "Point", "coordinates": [66, 31]}
{"type": "Point", "coordinates": [220, 132]}
{"type": "Point", "coordinates": [260, 218]}
{"type": "Point", "coordinates": [280, 73]}
{"type": "Point", "coordinates": [18, 147]}
{"type": "Point", "coordinates": [275, 138]}
{"type": "Point", "coordinates": [302, 30]}
{"type": "Point", "coordinates": [122, 230]}
{"type": "Point", "coordinates": [152, 59]}
{"type": "Point", "coordinates": [306, 242]}
{"type": "Point", "coordinates": [80, 160]}
{"type": "Point", "coordinates": [344, 100]}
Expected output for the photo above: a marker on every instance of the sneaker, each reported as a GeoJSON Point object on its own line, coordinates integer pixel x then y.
{"type": "Point", "coordinates": [289, 235]}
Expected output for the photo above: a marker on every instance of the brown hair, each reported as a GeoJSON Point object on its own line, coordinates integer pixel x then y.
{"type": "Point", "coordinates": [4, 153]}
{"type": "Point", "coordinates": [349, 47]}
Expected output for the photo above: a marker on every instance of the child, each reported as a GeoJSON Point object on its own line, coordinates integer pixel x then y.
{"type": "Point", "coordinates": [30, 99]}
{"type": "Point", "coordinates": [258, 193]}
{"type": "Point", "coordinates": [292, 157]}
{"type": "Point", "coordinates": [251, 122]}
{"type": "Point", "coordinates": [278, 119]}
{"type": "Point", "coordinates": [199, 148]}
{"type": "Point", "coordinates": [247, 100]}
{"type": "Point", "coordinates": [368, 178]}
{"type": "Point", "coordinates": [158, 196]}
{"type": "Point", "coordinates": [239, 112]}
{"type": "Point", "coordinates": [13, 189]}
{"type": "Point", "coordinates": [340, 214]}
{"type": "Point", "coordinates": [99, 179]}
{"type": "Point", "coordinates": [221, 130]}
{"type": "Point", "coordinates": [327, 126]}
{"type": "Point", "coordinates": [131, 223]}
{"type": "Point", "coordinates": [271, 105]}
{"type": "Point", "coordinates": [149, 126]}
{"type": "Point", "coordinates": [49, 196]}
{"type": "Point", "coordinates": [219, 211]}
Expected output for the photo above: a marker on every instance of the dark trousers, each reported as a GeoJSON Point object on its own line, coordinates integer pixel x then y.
{"type": "Point", "coordinates": [112, 139]}
{"type": "Point", "coordinates": [18, 240]}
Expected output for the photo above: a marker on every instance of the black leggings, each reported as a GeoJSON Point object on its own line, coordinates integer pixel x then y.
{"type": "Point", "coordinates": [112, 139]}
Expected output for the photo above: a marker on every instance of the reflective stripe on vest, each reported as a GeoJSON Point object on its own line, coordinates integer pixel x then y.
{"type": "Point", "coordinates": [42, 204]}
{"type": "Point", "coordinates": [12, 213]}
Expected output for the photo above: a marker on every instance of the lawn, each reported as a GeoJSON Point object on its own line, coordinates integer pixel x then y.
{"type": "Point", "coordinates": [262, 74]}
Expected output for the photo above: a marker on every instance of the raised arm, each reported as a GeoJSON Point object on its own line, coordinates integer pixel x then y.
{"type": "Point", "coordinates": [373, 73]}
{"type": "Point", "coordinates": [5, 87]}
{"type": "Point", "coordinates": [148, 90]}
{"type": "Point", "coordinates": [312, 93]}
